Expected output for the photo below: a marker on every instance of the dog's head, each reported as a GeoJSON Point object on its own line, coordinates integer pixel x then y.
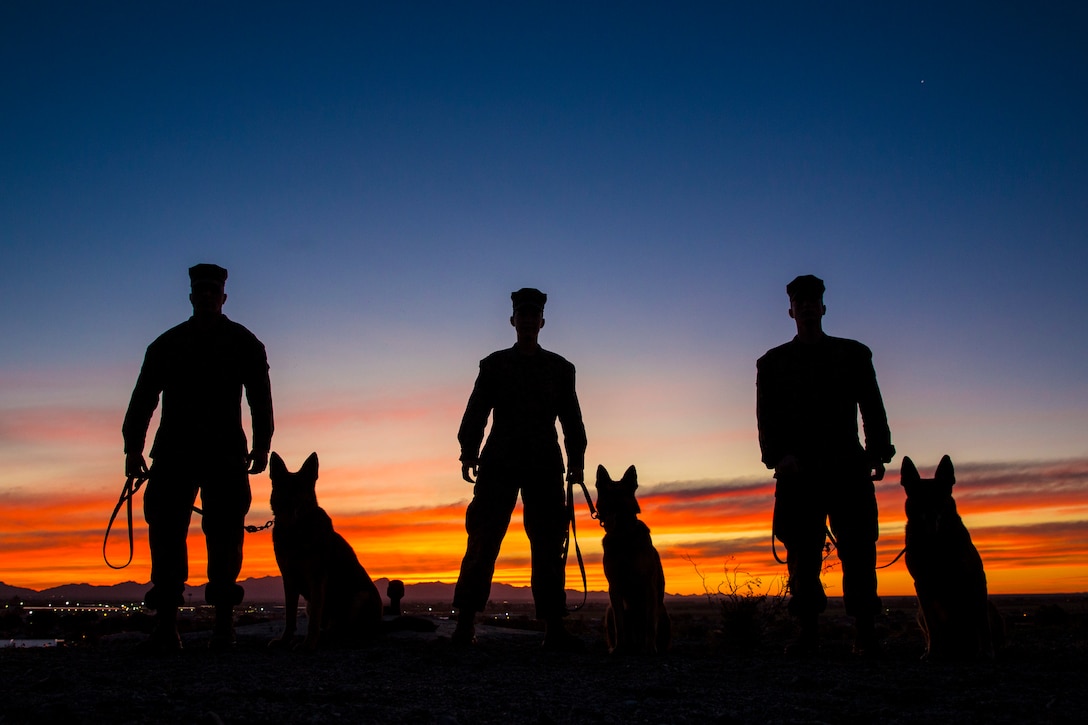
{"type": "Point", "coordinates": [928, 499]}
{"type": "Point", "coordinates": [292, 493]}
{"type": "Point", "coordinates": [616, 499]}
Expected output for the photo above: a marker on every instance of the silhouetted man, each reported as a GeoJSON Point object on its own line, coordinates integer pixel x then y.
{"type": "Point", "coordinates": [200, 368]}
{"type": "Point", "coordinates": [525, 388]}
{"type": "Point", "coordinates": [808, 394]}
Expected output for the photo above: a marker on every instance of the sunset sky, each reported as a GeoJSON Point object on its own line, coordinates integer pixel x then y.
{"type": "Point", "coordinates": [378, 177]}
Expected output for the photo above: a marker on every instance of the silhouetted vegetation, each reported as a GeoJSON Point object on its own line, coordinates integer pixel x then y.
{"type": "Point", "coordinates": [748, 610]}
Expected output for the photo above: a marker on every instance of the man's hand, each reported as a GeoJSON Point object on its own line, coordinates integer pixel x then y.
{"type": "Point", "coordinates": [878, 472]}
{"type": "Point", "coordinates": [258, 461]}
{"type": "Point", "coordinates": [135, 465]}
{"type": "Point", "coordinates": [470, 470]}
{"type": "Point", "coordinates": [576, 475]}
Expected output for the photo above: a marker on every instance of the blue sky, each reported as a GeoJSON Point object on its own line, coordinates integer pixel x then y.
{"type": "Point", "coordinates": [379, 176]}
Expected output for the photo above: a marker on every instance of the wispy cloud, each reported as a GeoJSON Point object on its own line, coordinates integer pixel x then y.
{"type": "Point", "coordinates": [49, 537]}
{"type": "Point", "coordinates": [61, 426]}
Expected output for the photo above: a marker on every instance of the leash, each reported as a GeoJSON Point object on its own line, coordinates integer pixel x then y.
{"type": "Point", "coordinates": [572, 533]}
{"type": "Point", "coordinates": [249, 528]}
{"type": "Point", "coordinates": [897, 558]}
{"type": "Point", "coordinates": [833, 544]}
{"type": "Point", "coordinates": [132, 485]}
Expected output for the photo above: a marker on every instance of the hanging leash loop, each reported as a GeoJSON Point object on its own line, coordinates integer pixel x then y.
{"type": "Point", "coordinates": [572, 533]}
{"type": "Point", "coordinates": [132, 485]}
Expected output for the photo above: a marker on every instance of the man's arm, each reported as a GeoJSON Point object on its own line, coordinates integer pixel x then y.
{"type": "Point", "coordinates": [471, 433]}
{"type": "Point", "coordinates": [574, 432]}
{"type": "Point", "coordinates": [259, 396]}
{"type": "Point", "coordinates": [878, 435]}
{"type": "Point", "coordinates": [766, 415]}
{"type": "Point", "coordinates": [141, 406]}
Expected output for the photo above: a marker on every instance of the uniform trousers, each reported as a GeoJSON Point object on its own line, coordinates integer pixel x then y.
{"type": "Point", "coordinates": [806, 506]}
{"type": "Point", "coordinates": [225, 496]}
{"type": "Point", "coordinates": [486, 521]}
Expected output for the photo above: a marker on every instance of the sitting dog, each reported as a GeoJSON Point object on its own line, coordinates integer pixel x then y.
{"type": "Point", "coordinates": [342, 603]}
{"type": "Point", "coordinates": [636, 621]}
{"type": "Point", "coordinates": [957, 618]}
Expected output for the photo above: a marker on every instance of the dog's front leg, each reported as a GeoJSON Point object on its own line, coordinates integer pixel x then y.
{"type": "Point", "coordinates": [939, 633]}
{"type": "Point", "coordinates": [290, 608]}
{"type": "Point", "coordinates": [648, 631]}
{"type": "Point", "coordinates": [619, 623]}
{"type": "Point", "coordinates": [315, 610]}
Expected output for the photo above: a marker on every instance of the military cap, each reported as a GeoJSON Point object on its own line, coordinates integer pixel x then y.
{"type": "Point", "coordinates": [528, 297]}
{"type": "Point", "coordinates": [806, 285]}
{"type": "Point", "coordinates": [207, 273]}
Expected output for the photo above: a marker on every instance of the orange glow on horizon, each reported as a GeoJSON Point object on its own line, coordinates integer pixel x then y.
{"type": "Point", "coordinates": [702, 531]}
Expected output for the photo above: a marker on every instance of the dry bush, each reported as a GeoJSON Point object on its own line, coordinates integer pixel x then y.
{"type": "Point", "coordinates": [748, 610]}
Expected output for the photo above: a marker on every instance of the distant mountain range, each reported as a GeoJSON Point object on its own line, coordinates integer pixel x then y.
{"type": "Point", "coordinates": [264, 589]}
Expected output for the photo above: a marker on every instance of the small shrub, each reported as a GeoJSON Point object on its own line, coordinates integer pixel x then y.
{"type": "Point", "coordinates": [747, 609]}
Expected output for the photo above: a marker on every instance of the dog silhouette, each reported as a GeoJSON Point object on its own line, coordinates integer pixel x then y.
{"type": "Point", "coordinates": [957, 618]}
{"type": "Point", "coordinates": [342, 603]}
{"type": "Point", "coordinates": [636, 621]}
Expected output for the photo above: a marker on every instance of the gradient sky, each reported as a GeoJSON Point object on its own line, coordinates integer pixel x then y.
{"type": "Point", "coordinates": [378, 177]}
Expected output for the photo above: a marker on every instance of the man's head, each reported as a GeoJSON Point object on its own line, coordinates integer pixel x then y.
{"type": "Point", "coordinates": [806, 299]}
{"type": "Point", "coordinates": [207, 283]}
{"type": "Point", "coordinates": [528, 315]}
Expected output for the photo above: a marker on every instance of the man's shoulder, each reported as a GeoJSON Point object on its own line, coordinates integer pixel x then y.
{"type": "Point", "coordinates": [849, 346]}
{"type": "Point", "coordinates": [497, 357]}
{"type": "Point", "coordinates": [236, 328]}
{"type": "Point", "coordinates": [173, 335]}
{"type": "Point", "coordinates": [775, 354]}
{"type": "Point", "coordinates": [181, 333]}
{"type": "Point", "coordinates": [510, 356]}
{"type": "Point", "coordinates": [511, 353]}
{"type": "Point", "coordinates": [556, 359]}
{"type": "Point", "coordinates": [793, 348]}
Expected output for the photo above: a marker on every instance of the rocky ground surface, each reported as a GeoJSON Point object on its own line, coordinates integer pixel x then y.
{"type": "Point", "coordinates": [709, 676]}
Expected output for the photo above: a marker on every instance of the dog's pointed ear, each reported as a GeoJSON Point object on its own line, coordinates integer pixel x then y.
{"type": "Point", "coordinates": [602, 476]}
{"type": "Point", "coordinates": [908, 474]}
{"type": "Point", "coordinates": [945, 472]}
{"type": "Point", "coordinates": [630, 477]}
{"type": "Point", "coordinates": [310, 466]}
{"type": "Point", "coordinates": [276, 468]}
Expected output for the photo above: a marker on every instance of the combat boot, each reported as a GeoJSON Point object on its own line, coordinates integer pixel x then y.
{"type": "Point", "coordinates": [223, 633]}
{"type": "Point", "coordinates": [464, 635]}
{"type": "Point", "coordinates": [558, 639]}
{"type": "Point", "coordinates": [866, 643]}
{"type": "Point", "coordinates": [164, 637]}
{"type": "Point", "coordinates": [808, 641]}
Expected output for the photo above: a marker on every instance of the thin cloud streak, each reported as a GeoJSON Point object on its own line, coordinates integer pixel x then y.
{"type": "Point", "coordinates": [49, 537]}
{"type": "Point", "coordinates": [61, 426]}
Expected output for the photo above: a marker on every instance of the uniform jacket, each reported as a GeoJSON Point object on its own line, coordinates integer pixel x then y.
{"type": "Point", "coordinates": [200, 374]}
{"type": "Point", "coordinates": [526, 393]}
{"type": "Point", "coordinates": [807, 400]}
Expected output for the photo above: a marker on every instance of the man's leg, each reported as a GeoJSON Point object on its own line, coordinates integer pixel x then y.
{"type": "Point", "coordinates": [546, 526]}
{"type": "Point", "coordinates": [168, 507]}
{"type": "Point", "coordinates": [486, 521]}
{"type": "Point", "coordinates": [226, 497]}
{"type": "Point", "coordinates": [800, 524]}
{"type": "Point", "coordinates": [854, 522]}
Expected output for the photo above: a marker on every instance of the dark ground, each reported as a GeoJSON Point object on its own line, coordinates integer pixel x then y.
{"type": "Point", "coordinates": [1041, 676]}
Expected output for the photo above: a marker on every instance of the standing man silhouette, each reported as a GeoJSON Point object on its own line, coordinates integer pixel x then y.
{"type": "Point", "coordinates": [200, 368]}
{"type": "Point", "coordinates": [808, 394]}
{"type": "Point", "coordinates": [525, 388]}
